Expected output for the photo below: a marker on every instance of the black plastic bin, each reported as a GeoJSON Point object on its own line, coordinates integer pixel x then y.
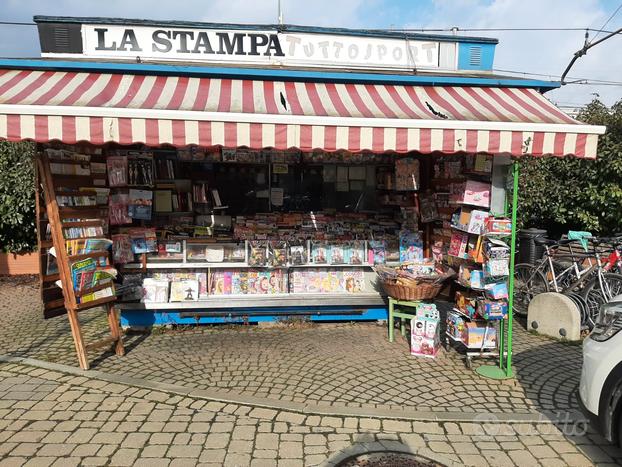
{"type": "Point", "coordinates": [528, 251]}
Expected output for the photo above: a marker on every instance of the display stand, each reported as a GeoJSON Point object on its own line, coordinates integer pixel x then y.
{"type": "Point", "coordinates": [504, 369]}
{"type": "Point", "coordinates": [71, 294]}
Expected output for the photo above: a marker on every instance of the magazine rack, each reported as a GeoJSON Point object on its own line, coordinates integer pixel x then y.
{"type": "Point", "coordinates": [71, 296]}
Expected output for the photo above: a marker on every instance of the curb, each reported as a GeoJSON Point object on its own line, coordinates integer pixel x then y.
{"type": "Point", "coordinates": [303, 408]}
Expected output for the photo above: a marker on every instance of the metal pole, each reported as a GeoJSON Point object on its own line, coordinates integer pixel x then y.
{"type": "Point", "coordinates": [515, 173]}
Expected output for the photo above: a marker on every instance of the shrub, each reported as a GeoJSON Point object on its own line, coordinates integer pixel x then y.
{"type": "Point", "coordinates": [17, 199]}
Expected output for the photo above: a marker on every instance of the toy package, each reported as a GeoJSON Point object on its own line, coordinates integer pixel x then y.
{"type": "Point", "coordinates": [376, 252]}
{"type": "Point", "coordinates": [277, 253]}
{"type": "Point", "coordinates": [319, 253]}
{"type": "Point", "coordinates": [466, 302]}
{"type": "Point", "coordinates": [118, 209]}
{"type": "Point", "coordinates": [476, 193]}
{"type": "Point", "coordinates": [122, 249]}
{"type": "Point", "coordinates": [477, 221]}
{"type": "Point", "coordinates": [337, 254]}
{"type": "Point", "coordinates": [496, 249]}
{"type": "Point", "coordinates": [499, 226]}
{"type": "Point", "coordinates": [492, 309]}
{"type": "Point", "coordinates": [470, 277]}
{"type": "Point", "coordinates": [458, 245]}
{"type": "Point", "coordinates": [155, 291]}
{"type": "Point", "coordinates": [214, 253]}
{"type": "Point", "coordinates": [257, 253]}
{"type": "Point", "coordinates": [497, 268]}
{"type": "Point", "coordinates": [455, 325]}
{"type": "Point", "coordinates": [479, 335]}
{"type": "Point", "coordinates": [355, 254]}
{"type": "Point", "coordinates": [497, 290]}
{"type": "Point", "coordinates": [411, 246]}
{"type": "Point", "coordinates": [117, 170]}
{"type": "Point", "coordinates": [425, 331]}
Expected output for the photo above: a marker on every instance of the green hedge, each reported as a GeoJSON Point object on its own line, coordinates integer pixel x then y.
{"type": "Point", "coordinates": [17, 199]}
{"type": "Point", "coordinates": [561, 194]}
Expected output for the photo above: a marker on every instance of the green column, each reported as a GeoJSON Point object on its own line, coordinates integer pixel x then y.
{"type": "Point", "coordinates": [504, 369]}
{"type": "Point", "coordinates": [515, 173]}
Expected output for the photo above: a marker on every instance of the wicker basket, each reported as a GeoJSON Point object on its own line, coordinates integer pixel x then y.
{"type": "Point", "coordinates": [420, 291]}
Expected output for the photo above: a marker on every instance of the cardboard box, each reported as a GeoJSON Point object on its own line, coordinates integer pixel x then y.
{"type": "Point", "coordinates": [478, 335]}
{"type": "Point", "coordinates": [466, 302]}
{"type": "Point", "coordinates": [425, 331]}
{"type": "Point", "coordinates": [497, 226]}
{"type": "Point", "coordinates": [492, 310]}
{"type": "Point", "coordinates": [455, 325]}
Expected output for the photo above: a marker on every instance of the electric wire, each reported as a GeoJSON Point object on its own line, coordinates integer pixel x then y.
{"type": "Point", "coordinates": [607, 22]}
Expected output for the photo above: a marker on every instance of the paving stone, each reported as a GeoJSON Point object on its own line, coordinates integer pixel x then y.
{"type": "Point", "coordinates": [291, 417]}
{"type": "Point", "coordinates": [522, 457]}
{"type": "Point", "coordinates": [124, 456]}
{"type": "Point", "coordinates": [369, 424]}
{"type": "Point", "coordinates": [155, 450]}
{"type": "Point", "coordinates": [244, 432]}
{"type": "Point", "coordinates": [290, 450]}
{"type": "Point", "coordinates": [474, 460]}
{"type": "Point", "coordinates": [263, 413]}
{"type": "Point", "coordinates": [542, 451]}
{"type": "Point", "coordinates": [177, 451]}
{"type": "Point", "coordinates": [266, 441]}
{"type": "Point", "coordinates": [396, 425]}
{"type": "Point", "coordinates": [213, 455]}
{"type": "Point", "coordinates": [56, 450]}
{"type": "Point", "coordinates": [576, 460]}
{"type": "Point", "coordinates": [216, 440]}
{"type": "Point", "coordinates": [25, 449]}
{"type": "Point", "coordinates": [265, 453]}
{"type": "Point", "coordinates": [236, 460]}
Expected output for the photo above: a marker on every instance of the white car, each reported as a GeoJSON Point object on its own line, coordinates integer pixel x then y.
{"type": "Point", "coordinates": [600, 389]}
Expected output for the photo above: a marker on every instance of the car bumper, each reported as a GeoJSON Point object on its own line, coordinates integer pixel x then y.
{"type": "Point", "coordinates": [592, 418]}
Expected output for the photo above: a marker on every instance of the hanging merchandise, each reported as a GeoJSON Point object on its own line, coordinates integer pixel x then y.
{"type": "Point", "coordinates": [117, 171]}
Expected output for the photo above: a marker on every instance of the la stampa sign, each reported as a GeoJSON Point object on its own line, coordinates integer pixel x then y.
{"type": "Point", "coordinates": [253, 47]}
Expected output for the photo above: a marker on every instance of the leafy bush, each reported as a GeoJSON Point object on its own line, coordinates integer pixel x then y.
{"type": "Point", "coordinates": [561, 194]}
{"type": "Point", "coordinates": [17, 199]}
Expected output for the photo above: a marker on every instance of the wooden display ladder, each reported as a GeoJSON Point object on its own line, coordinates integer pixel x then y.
{"type": "Point", "coordinates": [70, 296]}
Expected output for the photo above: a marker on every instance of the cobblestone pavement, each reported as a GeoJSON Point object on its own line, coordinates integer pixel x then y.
{"type": "Point", "coordinates": [345, 365]}
{"type": "Point", "coordinates": [52, 418]}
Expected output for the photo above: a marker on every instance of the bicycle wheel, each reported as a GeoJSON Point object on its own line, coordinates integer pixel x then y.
{"type": "Point", "coordinates": [528, 282]}
{"type": "Point", "coordinates": [595, 296]}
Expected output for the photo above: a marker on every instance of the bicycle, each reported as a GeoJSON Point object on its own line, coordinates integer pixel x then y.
{"type": "Point", "coordinates": [588, 287]}
{"type": "Point", "coordinates": [548, 274]}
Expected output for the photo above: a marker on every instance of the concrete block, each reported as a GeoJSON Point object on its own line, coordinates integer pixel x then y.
{"type": "Point", "coordinates": [554, 315]}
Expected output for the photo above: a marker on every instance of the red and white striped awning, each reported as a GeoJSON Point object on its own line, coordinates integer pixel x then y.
{"type": "Point", "coordinates": [181, 111]}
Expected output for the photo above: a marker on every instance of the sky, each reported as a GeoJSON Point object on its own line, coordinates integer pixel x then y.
{"type": "Point", "coordinates": [542, 52]}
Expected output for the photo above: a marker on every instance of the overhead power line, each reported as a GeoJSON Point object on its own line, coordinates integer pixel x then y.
{"type": "Point", "coordinates": [607, 22]}
{"type": "Point", "coordinates": [448, 29]}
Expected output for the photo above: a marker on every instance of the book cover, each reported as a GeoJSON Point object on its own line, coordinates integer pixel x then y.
{"type": "Point", "coordinates": [163, 201]}
{"type": "Point", "coordinates": [186, 290]}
